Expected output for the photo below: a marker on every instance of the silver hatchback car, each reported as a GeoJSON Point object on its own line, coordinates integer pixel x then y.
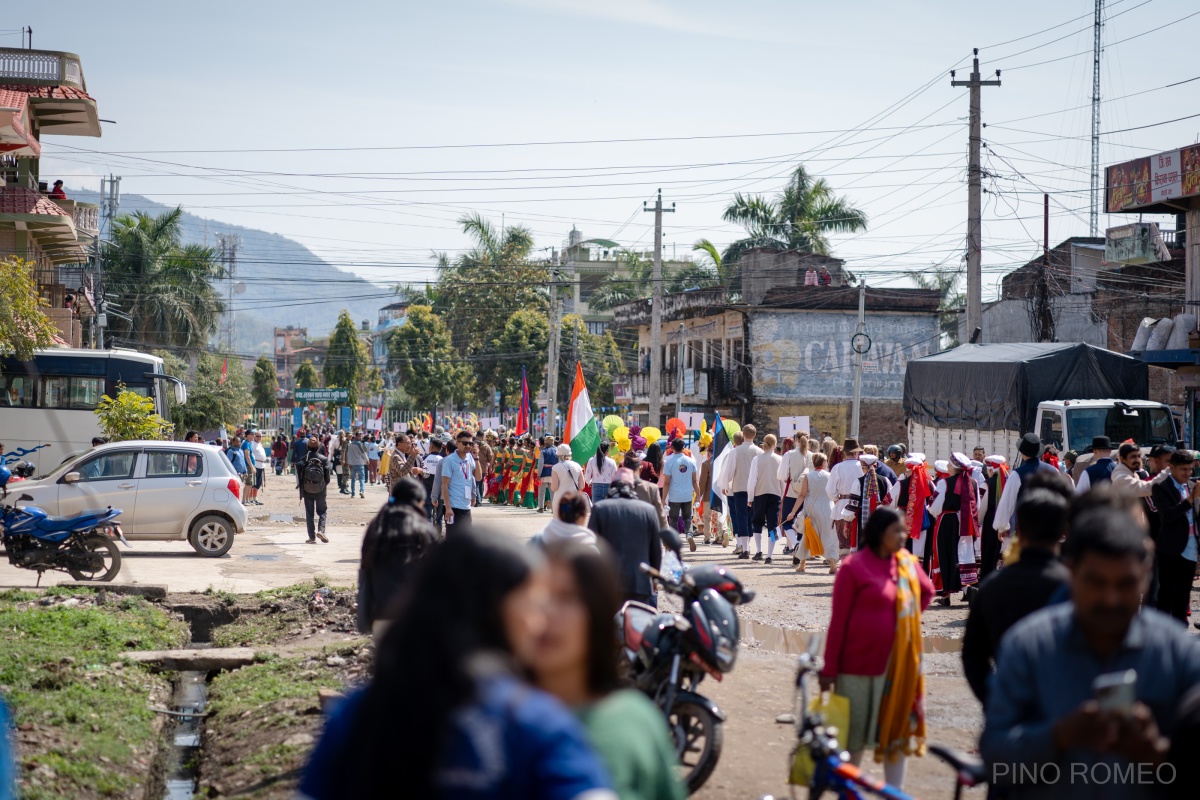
{"type": "Point", "coordinates": [167, 491]}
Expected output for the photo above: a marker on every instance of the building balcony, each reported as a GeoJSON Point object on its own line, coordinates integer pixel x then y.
{"type": "Point", "coordinates": [19, 66]}
{"type": "Point", "coordinates": [704, 386]}
{"type": "Point", "coordinates": [51, 227]}
{"type": "Point", "coordinates": [86, 216]}
{"type": "Point", "coordinates": [55, 87]}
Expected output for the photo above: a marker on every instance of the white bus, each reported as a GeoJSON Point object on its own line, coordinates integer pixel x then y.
{"type": "Point", "coordinates": [47, 404]}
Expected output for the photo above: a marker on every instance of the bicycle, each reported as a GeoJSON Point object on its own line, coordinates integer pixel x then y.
{"type": "Point", "coordinates": [832, 770]}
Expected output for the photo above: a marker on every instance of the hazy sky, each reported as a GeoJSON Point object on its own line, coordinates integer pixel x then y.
{"type": "Point", "coordinates": [266, 114]}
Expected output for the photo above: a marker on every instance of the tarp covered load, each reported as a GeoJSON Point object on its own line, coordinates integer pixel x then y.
{"type": "Point", "coordinates": [993, 387]}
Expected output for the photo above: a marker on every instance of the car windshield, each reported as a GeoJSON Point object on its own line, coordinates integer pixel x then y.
{"type": "Point", "coordinates": [1145, 426]}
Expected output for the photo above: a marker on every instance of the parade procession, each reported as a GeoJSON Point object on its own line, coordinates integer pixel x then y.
{"type": "Point", "coordinates": [543, 400]}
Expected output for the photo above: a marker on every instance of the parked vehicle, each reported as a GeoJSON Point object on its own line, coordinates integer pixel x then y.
{"type": "Point", "coordinates": [170, 491]}
{"type": "Point", "coordinates": [831, 767]}
{"type": "Point", "coordinates": [81, 544]}
{"type": "Point", "coordinates": [47, 403]}
{"type": "Point", "coordinates": [992, 394]}
{"type": "Point", "coordinates": [668, 655]}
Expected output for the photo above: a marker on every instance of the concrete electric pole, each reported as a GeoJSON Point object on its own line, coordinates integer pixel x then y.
{"type": "Point", "coordinates": [860, 343]}
{"type": "Point", "coordinates": [110, 201]}
{"type": "Point", "coordinates": [656, 314]}
{"type": "Point", "coordinates": [552, 354]}
{"type": "Point", "coordinates": [974, 202]}
{"type": "Point", "coordinates": [1094, 211]}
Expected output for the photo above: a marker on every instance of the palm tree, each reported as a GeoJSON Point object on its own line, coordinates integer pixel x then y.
{"type": "Point", "coordinates": [616, 288]}
{"type": "Point", "coordinates": [944, 280]}
{"type": "Point", "coordinates": [800, 218]}
{"type": "Point", "coordinates": [163, 286]}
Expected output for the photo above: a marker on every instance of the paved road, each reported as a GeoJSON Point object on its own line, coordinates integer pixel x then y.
{"type": "Point", "coordinates": [273, 553]}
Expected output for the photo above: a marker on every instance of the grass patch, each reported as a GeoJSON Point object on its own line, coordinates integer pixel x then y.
{"type": "Point", "coordinates": [297, 591]}
{"type": "Point", "coordinates": [84, 726]}
{"type": "Point", "coordinates": [226, 598]}
{"type": "Point", "coordinates": [263, 721]}
{"type": "Point", "coordinates": [286, 613]}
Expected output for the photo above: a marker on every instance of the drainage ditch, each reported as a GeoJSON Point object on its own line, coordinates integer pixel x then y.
{"type": "Point", "coordinates": [186, 731]}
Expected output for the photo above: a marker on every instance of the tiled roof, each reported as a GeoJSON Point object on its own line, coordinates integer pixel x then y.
{"type": "Point", "coordinates": [19, 200]}
{"type": "Point", "coordinates": [11, 98]}
{"type": "Point", "coordinates": [51, 92]}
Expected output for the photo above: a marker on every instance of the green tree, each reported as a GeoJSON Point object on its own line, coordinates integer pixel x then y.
{"type": "Point", "coordinates": [945, 281]}
{"type": "Point", "coordinates": [371, 383]}
{"type": "Point", "coordinates": [478, 291]}
{"type": "Point", "coordinates": [599, 355]}
{"type": "Point", "coordinates": [163, 286]}
{"type": "Point", "coordinates": [23, 326]}
{"type": "Point", "coordinates": [265, 384]}
{"type": "Point", "coordinates": [211, 403]}
{"type": "Point", "coordinates": [523, 342]}
{"type": "Point", "coordinates": [130, 416]}
{"type": "Point", "coordinates": [347, 359]}
{"type": "Point", "coordinates": [306, 376]}
{"type": "Point", "coordinates": [799, 218]}
{"type": "Point", "coordinates": [420, 351]}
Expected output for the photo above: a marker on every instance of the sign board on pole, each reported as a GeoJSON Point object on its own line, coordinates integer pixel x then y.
{"type": "Point", "coordinates": [344, 418]}
{"type": "Point", "coordinates": [791, 426]}
{"type": "Point", "coordinates": [399, 427]}
{"type": "Point", "coordinates": [374, 424]}
{"type": "Point", "coordinates": [689, 381]}
{"type": "Point", "coordinates": [297, 419]}
{"type": "Point", "coordinates": [307, 396]}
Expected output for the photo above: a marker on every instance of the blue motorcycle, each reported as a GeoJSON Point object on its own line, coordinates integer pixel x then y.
{"type": "Point", "coordinates": [81, 545]}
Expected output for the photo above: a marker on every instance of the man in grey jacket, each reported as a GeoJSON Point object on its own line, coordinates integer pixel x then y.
{"type": "Point", "coordinates": [630, 526]}
{"type": "Point", "coordinates": [356, 460]}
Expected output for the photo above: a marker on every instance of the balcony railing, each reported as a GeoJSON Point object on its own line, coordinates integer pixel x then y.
{"type": "Point", "coordinates": [40, 68]}
{"type": "Point", "coordinates": [86, 216]}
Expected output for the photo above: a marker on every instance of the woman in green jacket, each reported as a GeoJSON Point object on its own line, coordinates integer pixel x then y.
{"type": "Point", "coordinates": [576, 661]}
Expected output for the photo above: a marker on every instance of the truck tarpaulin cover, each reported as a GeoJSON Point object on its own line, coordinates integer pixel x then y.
{"type": "Point", "coordinates": [992, 387]}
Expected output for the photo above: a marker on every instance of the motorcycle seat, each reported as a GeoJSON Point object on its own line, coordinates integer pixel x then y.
{"type": "Point", "coordinates": [85, 519]}
{"type": "Point", "coordinates": [971, 769]}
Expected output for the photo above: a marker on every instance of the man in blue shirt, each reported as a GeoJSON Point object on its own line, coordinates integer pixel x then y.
{"type": "Point", "coordinates": [681, 480]}
{"type": "Point", "coordinates": [1046, 732]}
{"type": "Point", "coordinates": [459, 471]}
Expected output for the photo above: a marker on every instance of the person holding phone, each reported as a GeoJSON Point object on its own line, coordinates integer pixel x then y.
{"type": "Point", "coordinates": [459, 472]}
{"type": "Point", "coordinates": [1062, 701]}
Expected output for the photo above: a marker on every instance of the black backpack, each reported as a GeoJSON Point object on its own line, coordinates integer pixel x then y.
{"type": "Point", "coordinates": [314, 476]}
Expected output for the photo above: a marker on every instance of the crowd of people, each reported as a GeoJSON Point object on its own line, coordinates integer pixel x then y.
{"type": "Point", "coordinates": [1075, 569]}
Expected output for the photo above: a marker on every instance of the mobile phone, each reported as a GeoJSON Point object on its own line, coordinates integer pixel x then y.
{"type": "Point", "coordinates": [1116, 691]}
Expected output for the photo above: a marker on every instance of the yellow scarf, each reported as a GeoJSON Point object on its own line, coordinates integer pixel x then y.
{"type": "Point", "coordinates": [902, 709]}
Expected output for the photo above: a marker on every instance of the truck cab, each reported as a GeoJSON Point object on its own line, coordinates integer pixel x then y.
{"type": "Point", "coordinates": [1072, 424]}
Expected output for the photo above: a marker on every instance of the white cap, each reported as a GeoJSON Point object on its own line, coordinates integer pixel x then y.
{"type": "Point", "coordinates": [915, 460]}
{"type": "Point", "coordinates": [960, 460]}
{"type": "Point", "coordinates": [868, 460]}
{"type": "Point", "coordinates": [941, 465]}
{"type": "Point", "coordinates": [976, 464]}
{"type": "Point", "coordinates": [994, 461]}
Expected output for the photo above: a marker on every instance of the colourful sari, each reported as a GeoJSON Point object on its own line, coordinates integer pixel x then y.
{"type": "Point", "coordinates": [902, 707]}
{"type": "Point", "coordinates": [520, 465]}
{"type": "Point", "coordinates": [530, 481]}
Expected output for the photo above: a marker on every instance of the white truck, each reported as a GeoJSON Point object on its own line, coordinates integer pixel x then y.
{"type": "Point", "coordinates": [990, 395]}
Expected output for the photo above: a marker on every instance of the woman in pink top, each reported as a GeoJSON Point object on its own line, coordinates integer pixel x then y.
{"type": "Point", "coordinates": [883, 591]}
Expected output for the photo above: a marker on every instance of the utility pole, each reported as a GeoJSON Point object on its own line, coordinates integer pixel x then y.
{"type": "Point", "coordinates": [656, 364]}
{"type": "Point", "coordinates": [974, 201]}
{"type": "Point", "coordinates": [1045, 319]}
{"type": "Point", "coordinates": [1094, 212]}
{"type": "Point", "coordinates": [552, 353]}
{"type": "Point", "coordinates": [110, 201]}
{"type": "Point", "coordinates": [679, 375]}
{"type": "Point", "coordinates": [860, 343]}
{"type": "Point", "coordinates": [228, 244]}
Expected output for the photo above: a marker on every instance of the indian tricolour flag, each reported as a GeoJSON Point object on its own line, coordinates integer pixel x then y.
{"type": "Point", "coordinates": [582, 433]}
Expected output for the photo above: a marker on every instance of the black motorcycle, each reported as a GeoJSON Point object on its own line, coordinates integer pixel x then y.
{"type": "Point", "coordinates": [668, 655]}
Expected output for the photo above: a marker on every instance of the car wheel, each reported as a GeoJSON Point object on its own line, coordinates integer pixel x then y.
{"type": "Point", "coordinates": [212, 536]}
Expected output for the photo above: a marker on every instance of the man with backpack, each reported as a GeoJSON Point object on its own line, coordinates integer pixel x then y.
{"type": "Point", "coordinates": [312, 478]}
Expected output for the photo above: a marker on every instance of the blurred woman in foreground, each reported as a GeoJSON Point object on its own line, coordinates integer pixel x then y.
{"type": "Point", "coordinates": [445, 716]}
{"type": "Point", "coordinates": [576, 661]}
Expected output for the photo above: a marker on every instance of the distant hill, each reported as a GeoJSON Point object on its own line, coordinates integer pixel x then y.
{"type": "Point", "coordinates": [286, 277]}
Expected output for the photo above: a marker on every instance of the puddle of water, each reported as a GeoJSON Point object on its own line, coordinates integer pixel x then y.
{"type": "Point", "coordinates": [191, 695]}
{"type": "Point", "coordinates": [261, 557]}
{"type": "Point", "coordinates": [794, 642]}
